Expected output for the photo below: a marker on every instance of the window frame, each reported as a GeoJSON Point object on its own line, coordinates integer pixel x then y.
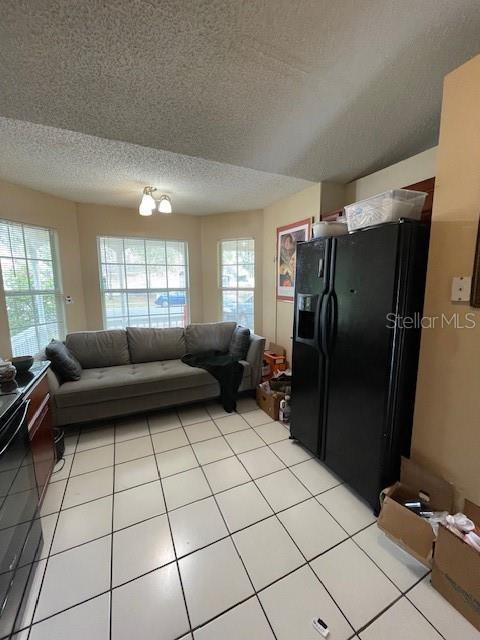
{"type": "Point", "coordinates": [237, 288]}
{"type": "Point", "coordinates": [31, 292]}
{"type": "Point", "coordinates": [139, 290]}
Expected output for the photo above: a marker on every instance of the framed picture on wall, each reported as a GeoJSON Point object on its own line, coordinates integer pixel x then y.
{"type": "Point", "coordinates": [287, 238]}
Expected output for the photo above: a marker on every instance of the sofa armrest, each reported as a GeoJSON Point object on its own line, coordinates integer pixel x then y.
{"type": "Point", "coordinates": [255, 357]}
{"type": "Point", "coordinates": [53, 381]}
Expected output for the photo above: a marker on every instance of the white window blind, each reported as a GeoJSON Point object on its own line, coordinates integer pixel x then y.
{"type": "Point", "coordinates": [31, 285]}
{"type": "Point", "coordinates": [237, 280]}
{"type": "Point", "coordinates": [144, 282]}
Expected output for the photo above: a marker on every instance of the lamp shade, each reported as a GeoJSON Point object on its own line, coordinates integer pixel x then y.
{"type": "Point", "coordinates": [165, 204]}
{"type": "Point", "coordinates": [147, 205]}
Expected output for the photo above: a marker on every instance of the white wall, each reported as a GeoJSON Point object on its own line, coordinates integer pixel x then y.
{"type": "Point", "coordinates": [78, 226]}
{"type": "Point", "coordinates": [278, 314]}
{"type": "Point", "coordinates": [97, 220]}
{"type": "Point", "coordinates": [446, 431]}
{"type": "Point", "coordinates": [226, 226]}
{"type": "Point", "coordinates": [27, 206]}
{"type": "Point", "coordinates": [409, 171]}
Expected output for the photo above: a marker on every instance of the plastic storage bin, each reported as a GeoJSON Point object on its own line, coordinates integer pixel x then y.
{"type": "Point", "coordinates": [385, 207]}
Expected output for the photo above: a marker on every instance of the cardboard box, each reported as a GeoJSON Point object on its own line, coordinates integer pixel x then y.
{"type": "Point", "coordinates": [275, 359]}
{"type": "Point", "coordinates": [456, 569]}
{"type": "Point", "coordinates": [269, 402]}
{"type": "Point", "coordinates": [405, 528]}
{"type": "Point", "coordinates": [276, 348]}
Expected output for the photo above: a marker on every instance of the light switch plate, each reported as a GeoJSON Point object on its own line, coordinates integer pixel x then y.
{"type": "Point", "coordinates": [461, 286]}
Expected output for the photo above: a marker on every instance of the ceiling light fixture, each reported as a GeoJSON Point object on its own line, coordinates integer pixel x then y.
{"type": "Point", "coordinates": [164, 204]}
{"type": "Point", "coordinates": [148, 204]}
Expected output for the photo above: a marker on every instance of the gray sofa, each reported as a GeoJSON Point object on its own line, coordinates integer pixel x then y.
{"type": "Point", "coordinates": [140, 369]}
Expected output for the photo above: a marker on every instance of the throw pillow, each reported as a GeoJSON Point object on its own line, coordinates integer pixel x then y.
{"type": "Point", "coordinates": [239, 343]}
{"type": "Point", "coordinates": [64, 364]}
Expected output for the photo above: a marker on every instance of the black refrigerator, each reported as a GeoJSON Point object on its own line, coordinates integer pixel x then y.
{"type": "Point", "coordinates": [358, 305]}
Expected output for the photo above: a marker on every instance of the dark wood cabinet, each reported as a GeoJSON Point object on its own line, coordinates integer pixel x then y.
{"type": "Point", "coordinates": [40, 429]}
{"type": "Point", "coordinates": [425, 185]}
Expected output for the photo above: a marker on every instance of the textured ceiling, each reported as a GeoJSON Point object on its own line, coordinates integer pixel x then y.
{"type": "Point", "coordinates": [85, 168]}
{"type": "Point", "coordinates": [311, 89]}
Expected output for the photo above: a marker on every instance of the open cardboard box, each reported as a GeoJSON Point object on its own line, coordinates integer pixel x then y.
{"type": "Point", "coordinates": [405, 528]}
{"type": "Point", "coordinates": [269, 402]}
{"type": "Point", "coordinates": [456, 569]}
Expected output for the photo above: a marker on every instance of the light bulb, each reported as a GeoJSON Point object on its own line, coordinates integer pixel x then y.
{"type": "Point", "coordinates": [165, 204]}
{"type": "Point", "coordinates": [147, 205]}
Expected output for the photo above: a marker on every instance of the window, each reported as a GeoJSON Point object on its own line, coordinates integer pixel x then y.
{"type": "Point", "coordinates": [32, 288]}
{"type": "Point", "coordinates": [144, 282]}
{"type": "Point", "coordinates": [237, 280]}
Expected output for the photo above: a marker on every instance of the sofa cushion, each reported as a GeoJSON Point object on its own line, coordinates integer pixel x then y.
{"type": "Point", "coordinates": [150, 345]}
{"type": "Point", "coordinates": [209, 336]}
{"type": "Point", "coordinates": [239, 343]}
{"type": "Point", "coordinates": [64, 363]}
{"type": "Point", "coordinates": [133, 380]}
{"type": "Point", "coordinates": [99, 348]}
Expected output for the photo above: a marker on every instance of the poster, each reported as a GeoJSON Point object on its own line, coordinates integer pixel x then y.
{"type": "Point", "coordinates": [287, 238]}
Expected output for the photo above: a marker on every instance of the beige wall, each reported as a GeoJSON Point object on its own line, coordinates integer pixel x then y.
{"type": "Point", "coordinates": [447, 417]}
{"type": "Point", "coordinates": [401, 174]}
{"type": "Point", "coordinates": [332, 196]}
{"type": "Point", "coordinates": [96, 220]}
{"type": "Point", "coordinates": [278, 314]}
{"type": "Point", "coordinates": [226, 226]}
{"type": "Point", "coordinates": [33, 207]}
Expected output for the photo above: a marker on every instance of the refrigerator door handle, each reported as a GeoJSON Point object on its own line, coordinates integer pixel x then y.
{"type": "Point", "coordinates": [328, 322]}
{"type": "Point", "coordinates": [323, 326]}
{"type": "Point", "coordinates": [318, 322]}
{"type": "Point", "coordinates": [332, 322]}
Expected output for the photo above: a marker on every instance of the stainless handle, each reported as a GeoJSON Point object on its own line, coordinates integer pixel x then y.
{"type": "Point", "coordinates": [320, 267]}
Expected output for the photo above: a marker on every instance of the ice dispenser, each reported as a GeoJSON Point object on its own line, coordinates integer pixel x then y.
{"type": "Point", "coordinates": [306, 312]}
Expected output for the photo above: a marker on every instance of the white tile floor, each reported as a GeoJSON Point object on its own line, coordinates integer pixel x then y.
{"type": "Point", "coordinates": [199, 525]}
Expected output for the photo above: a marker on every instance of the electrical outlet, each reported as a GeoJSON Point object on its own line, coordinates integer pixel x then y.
{"type": "Point", "coordinates": [461, 286]}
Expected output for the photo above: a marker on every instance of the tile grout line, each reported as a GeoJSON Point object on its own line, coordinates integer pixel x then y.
{"type": "Point", "coordinates": [419, 610]}
{"type": "Point", "coordinates": [306, 563]}
{"type": "Point", "coordinates": [349, 536]}
{"type": "Point", "coordinates": [71, 606]}
{"type": "Point", "coordinates": [50, 555]}
{"type": "Point", "coordinates": [230, 536]}
{"type": "Point", "coordinates": [294, 542]}
{"type": "Point", "coordinates": [189, 622]}
{"type": "Point", "coordinates": [253, 480]}
{"type": "Point", "coordinates": [51, 545]}
{"type": "Point", "coordinates": [379, 614]}
{"type": "Point", "coordinates": [352, 538]}
{"type": "Point", "coordinates": [188, 504]}
{"type": "Point", "coordinates": [155, 480]}
{"type": "Point", "coordinates": [149, 455]}
{"type": "Point", "coordinates": [58, 513]}
{"type": "Point", "coordinates": [112, 533]}
{"type": "Point", "coordinates": [189, 443]}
